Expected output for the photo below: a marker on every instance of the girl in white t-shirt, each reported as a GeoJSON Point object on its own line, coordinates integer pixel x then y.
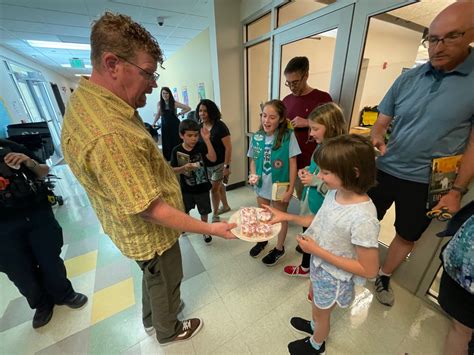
{"type": "Point", "coordinates": [342, 238]}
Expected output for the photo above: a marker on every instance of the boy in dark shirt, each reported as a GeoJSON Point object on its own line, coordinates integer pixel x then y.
{"type": "Point", "coordinates": [187, 159]}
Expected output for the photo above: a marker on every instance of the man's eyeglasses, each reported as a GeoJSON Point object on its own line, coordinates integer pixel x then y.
{"type": "Point", "coordinates": [149, 76]}
{"type": "Point", "coordinates": [449, 40]}
{"type": "Point", "coordinates": [294, 82]}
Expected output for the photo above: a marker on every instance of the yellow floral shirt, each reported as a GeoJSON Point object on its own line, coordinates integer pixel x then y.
{"type": "Point", "coordinates": [113, 156]}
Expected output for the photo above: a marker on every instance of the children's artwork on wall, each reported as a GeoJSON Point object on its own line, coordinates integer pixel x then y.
{"type": "Point", "coordinates": [185, 95]}
{"type": "Point", "coordinates": [201, 91]}
{"type": "Point", "coordinates": [175, 94]}
{"type": "Point", "coordinates": [5, 118]}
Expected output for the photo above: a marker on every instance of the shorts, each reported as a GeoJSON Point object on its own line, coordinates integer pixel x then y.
{"type": "Point", "coordinates": [328, 290]}
{"type": "Point", "coordinates": [456, 301]}
{"type": "Point", "coordinates": [199, 199]}
{"type": "Point", "coordinates": [410, 204]}
{"type": "Point", "coordinates": [216, 172]}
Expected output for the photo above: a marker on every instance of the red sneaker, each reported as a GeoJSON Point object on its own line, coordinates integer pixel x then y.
{"type": "Point", "coordinates": [297, 271]}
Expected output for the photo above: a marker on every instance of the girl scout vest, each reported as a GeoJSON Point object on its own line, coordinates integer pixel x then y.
{"type": "Point", "coordinates": [279, 163]}
{"type": "Point", "coordinates": [314, 194]}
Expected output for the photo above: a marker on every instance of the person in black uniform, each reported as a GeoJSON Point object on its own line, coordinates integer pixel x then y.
{"type": "Point", "coordinates": [30, 237]}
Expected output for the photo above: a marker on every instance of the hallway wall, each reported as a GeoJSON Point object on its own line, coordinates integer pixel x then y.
{"type": "Point", "coordinates": [184, 71]}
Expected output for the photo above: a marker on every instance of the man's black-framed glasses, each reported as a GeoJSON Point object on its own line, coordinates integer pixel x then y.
{"type": "Point", "coordinates": [448, 40]}
{"type": "Point", "coordinates": [294, 82]}
{"type": "Point", "coordinates": [150, 76]}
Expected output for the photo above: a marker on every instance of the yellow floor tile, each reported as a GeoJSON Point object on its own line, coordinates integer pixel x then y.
{"type": "Point", "coordinates": [81, 264]}
{"type": "Point", "coordinates": [113, 299]}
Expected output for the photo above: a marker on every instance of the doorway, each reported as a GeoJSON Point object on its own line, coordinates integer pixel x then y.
{"type": "Point", "coordinates": [38, 103]}
{"type": "Point", "coordinates": [360, 49]}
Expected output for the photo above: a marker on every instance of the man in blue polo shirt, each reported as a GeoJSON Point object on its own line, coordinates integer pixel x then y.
{"type": "Point", "coordinates": [431, 109]}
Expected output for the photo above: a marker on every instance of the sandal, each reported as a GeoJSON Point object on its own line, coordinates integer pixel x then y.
{"type": "Point", "coordinates": [223, 210]}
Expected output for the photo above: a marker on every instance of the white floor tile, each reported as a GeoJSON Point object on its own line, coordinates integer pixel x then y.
{"type": "Point", "coordinates": [245, 305]}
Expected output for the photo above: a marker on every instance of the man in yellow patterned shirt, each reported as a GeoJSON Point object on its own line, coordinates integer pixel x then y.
{"type": "Point", "coordinates": [133, 190]}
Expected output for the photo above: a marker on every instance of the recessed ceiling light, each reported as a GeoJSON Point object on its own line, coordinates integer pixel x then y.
{"type": "Point", "coordinates": [61, 45]}
{"type": "Point", "coordinates": [87, 66]}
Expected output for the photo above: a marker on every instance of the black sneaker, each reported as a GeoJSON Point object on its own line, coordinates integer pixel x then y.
{"type": "Point", "coordinates": [301, 325]}
{"type": "Point", "coordinates": [207, 239]}
{"type": "Point", "coordinates": [257, 249]}
{"type": "Point", "coordinates": [383, 291]}
{"type": "Point", "coordinates": [42, 316]}
{"type": "Point", "coordinates": [298, 249]}
{"type": "Point", "coordinates": [304, 347]}
{"type": "Point", "coordinates": [77, 300]}
{"type": "Point", "coordinates": [273, 256]}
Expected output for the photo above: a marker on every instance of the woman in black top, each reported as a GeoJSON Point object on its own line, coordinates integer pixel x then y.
{"type": "Point", "coordinates": [210, 117]}
{"type": "Point", "coordinates": [169, 121]}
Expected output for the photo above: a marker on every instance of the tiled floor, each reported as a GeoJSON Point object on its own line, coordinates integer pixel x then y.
{"type": "Point", "coordinates": [245, 305]}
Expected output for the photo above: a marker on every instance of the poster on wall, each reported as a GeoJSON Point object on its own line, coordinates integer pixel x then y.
{"type": "Point", "coordinates": [185, 95]}
{"type": "Point", "coordinates": [5, 118]}
{"type": "Point", "coordinates": [175, 94]}
{"type": "Point", "coordinates": [201, 91]}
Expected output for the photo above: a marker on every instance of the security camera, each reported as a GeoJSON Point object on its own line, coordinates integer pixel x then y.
{"type": "Point", "coordinates": [161, 20]}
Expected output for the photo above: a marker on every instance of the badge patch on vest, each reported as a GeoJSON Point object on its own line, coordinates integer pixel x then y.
{"type": "Point", "coordinates": [277, 164]}
{"type": "Point", "coordinates": [258, 137]}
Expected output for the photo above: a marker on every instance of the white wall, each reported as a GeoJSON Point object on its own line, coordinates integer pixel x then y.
{"type": "Point", "coordinates": [185, 68]}
{"type": "Point", "coordinates": [227, 68]}
{"type": "Point", "coordinates": [9, 94]}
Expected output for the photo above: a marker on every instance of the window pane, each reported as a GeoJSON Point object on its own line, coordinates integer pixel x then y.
{"type": "Point", "coordinates": [319, 49]}
{"type": "Point", "coordinates": [258, 71]}
{"type": "Point", "coordinates": [29, 102]}
{"type": "Point", "coordinates": [45, 105]}
{"type": "Point", "coordinates": [259, 27]}
{"type": "Point", "coordinates": [392, 46]}
{"type": "Point", "coordinates": [298, 8]}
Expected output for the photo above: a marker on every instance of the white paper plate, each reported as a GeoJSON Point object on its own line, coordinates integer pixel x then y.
{"type": "Point", "coordinates": [235, 218]}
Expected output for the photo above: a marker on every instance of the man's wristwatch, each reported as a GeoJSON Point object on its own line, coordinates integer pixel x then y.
{"type": "Point", "coordinates": [460, 189]}
{"type": "Point", "coordinates": [226, 166]}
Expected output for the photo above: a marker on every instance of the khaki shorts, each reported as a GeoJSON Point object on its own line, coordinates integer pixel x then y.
{"type": "Point", "coordinates": [216, 172]}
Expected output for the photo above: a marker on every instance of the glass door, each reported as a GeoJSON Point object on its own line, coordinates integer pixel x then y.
{"type": "Point", "coordinates": [390, 45]}
{"type": "Point", "coordinates": [43, 100]}
{"type": "Point", "coordinates": [357, 74]}
{"type": "Point", "coordinates": [40, 109]}
{"type": "Point", "coordinates": [34, 93]}
{"type": "Point", "coordinates": [324, 40]}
